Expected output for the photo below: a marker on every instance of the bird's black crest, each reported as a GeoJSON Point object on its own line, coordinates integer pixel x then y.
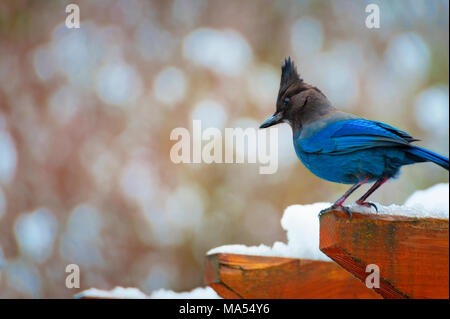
{"type": "Point", "coordinates": [289, 73]}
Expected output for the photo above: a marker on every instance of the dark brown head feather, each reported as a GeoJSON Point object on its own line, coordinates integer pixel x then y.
{"type": "Point", "coordinates": [289, 73]}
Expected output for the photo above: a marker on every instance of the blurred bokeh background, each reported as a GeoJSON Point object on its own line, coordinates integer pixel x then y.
{"type": "Point", "coordinates": [86, 116]}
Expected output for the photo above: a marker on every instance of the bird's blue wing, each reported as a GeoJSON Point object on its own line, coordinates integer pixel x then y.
{"type": "Point", "coordinates": [373, 128]}
{"type": "Point", "coordinates": [352, 135]}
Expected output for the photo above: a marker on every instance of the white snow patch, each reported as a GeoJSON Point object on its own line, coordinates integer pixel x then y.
{"type": "Point", "coordinates": [118, 292]}
{"type": "Point", "coordinates": [302, 226]}
{"type": "Point", "coordinates": [134, 293]}
{"type": "Point", "coordinates": [197, 293]}
{"type": "Point", "coordinates": [432, 202]}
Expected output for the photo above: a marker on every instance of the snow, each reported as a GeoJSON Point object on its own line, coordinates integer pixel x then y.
{"type": "Point", "coordinates": [197, 293]}
{"type": "Point", "coordinates": [301, 223]}
{"type": "Point", "coordinates": [134, 293]}
{"type": "Point", "coordinates": [432, 202]}
{"type": "Point", "coordinates": [118, 292]}
{"type": "Point", "coordinates": [302, 226]}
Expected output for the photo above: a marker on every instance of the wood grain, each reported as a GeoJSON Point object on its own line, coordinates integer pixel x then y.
{"type": "Point", "coordinates": [411, 253]}
{"type": "Point", "coordinates": [244, 276]}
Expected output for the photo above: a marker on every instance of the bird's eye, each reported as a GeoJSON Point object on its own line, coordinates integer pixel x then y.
{"type": "Point", "coordinates": [287, 100]}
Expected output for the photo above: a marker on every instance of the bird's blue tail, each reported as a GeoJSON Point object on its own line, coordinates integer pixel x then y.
{"type": "Point", "coordinates": [426, 155]}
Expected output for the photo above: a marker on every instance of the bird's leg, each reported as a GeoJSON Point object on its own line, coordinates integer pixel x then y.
{"type": "Point", "coordinates": [362, 200]}
{"type": "Point", "coordinates": [341, 200]}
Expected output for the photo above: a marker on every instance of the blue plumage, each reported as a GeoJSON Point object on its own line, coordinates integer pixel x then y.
{"type": "Point", "coordinates": [341, 147]}
{"type": "Point", "coordinates": [349, 151]}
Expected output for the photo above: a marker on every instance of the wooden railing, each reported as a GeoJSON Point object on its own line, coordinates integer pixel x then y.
{"type": "Point", "coordinates": [243, 276]}
{"type": "Point", "coordinates": [409, 256]}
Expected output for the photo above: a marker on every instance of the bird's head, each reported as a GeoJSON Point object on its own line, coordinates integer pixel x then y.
{"type": "Point", "coordinates": [298, 102]}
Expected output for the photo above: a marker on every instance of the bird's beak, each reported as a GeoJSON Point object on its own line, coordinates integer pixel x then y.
{"type": "Point", "coordinates": [274, 119]}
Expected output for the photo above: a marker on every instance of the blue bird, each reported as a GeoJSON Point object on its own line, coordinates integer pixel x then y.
{"type": "Point", "coordinates": [341, 147]}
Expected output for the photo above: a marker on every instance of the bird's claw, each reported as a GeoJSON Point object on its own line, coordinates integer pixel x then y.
{"type": "Point", "coordinates": [340, 207]}
{"type": "Point", "coordinates": [323, 211]}
{"type": "Point", "coordinates": [346, 210]}
{"type": "Point", "coordinates": [368, 204]}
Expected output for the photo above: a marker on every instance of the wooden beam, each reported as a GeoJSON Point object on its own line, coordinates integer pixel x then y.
{"type": "Point", "coordinates": [411, 253]}
{"type": "Point", "coordinates": [244, 276]}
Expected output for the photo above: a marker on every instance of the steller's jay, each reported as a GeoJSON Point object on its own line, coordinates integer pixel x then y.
{"type": "Point", "coordinates": [342, 147]}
